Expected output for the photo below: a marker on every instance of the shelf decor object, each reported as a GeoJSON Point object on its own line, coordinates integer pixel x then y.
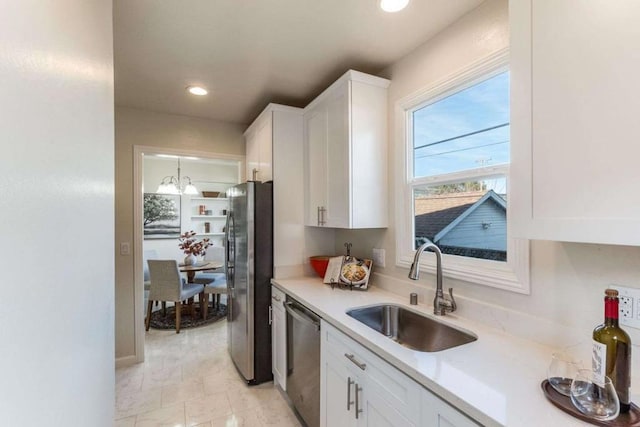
{"type": "Point", "coordinates": [173, 185]}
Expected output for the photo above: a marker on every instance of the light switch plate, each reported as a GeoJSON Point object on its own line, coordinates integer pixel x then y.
{"type": "Point", "coordinates": [125, 248]}
{"type": "Point", "coordinates": [378, 257]}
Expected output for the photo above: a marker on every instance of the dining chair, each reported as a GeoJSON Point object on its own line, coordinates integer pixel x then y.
{"type": "Point", "coordinates": [168, 286]}
{"type": "Point", "coordinates": [215, 283]}
{"type": "Point", "coordinates": [146, 256]}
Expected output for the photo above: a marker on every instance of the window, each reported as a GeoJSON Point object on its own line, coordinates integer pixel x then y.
{"type": "Point", "coordinates": [456, 140]}
{"type": "Point", "coordinates": [456, 205]}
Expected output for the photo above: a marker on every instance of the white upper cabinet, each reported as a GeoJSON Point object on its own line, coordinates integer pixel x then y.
{"type": "Point", "coordinates": [345, 137]}
{"type": "Point", "coordinates": [259, 147]}
{"type": "Point", "coordinates": [274, 150]}
{"type": "Point", "coordinates": [575, 127]}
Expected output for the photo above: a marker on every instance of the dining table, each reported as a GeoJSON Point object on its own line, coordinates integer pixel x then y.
{"type": "Point", "coordinates": [192, 269]}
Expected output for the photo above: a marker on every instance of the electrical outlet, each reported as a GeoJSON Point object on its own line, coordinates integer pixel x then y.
{"type": "Point", "coordinates": [378, 257]}
{"type": "Point", "coordinates": [629, 306]}
{"type": "Point", "coordinates": [625, 307]}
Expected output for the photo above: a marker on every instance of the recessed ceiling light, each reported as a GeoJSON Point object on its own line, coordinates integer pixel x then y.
{"type": "Point", "coordinates": [197, 90]}
{"type": "Point", "coordinates": [393, 5]}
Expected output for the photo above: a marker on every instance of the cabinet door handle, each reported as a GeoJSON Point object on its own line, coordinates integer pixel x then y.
{"type": "Point", "coordinates": [276, 297]}
{"type": "Point", "coordinates": [270, 315]}
{"type": "Point", "coordinates": [255, 174]}
{"type": "Point", "coordinates": [350, 382]}
{"type": "Point", "coordinates": [321, 213]}
{"type": "Point", "coordinates": [360, 365]}
{"type": "Point", "coordinates": [358, 410]}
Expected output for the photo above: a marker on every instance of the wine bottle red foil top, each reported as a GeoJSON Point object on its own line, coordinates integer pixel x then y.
{"type": "Point", "coordinates": [611, 304]}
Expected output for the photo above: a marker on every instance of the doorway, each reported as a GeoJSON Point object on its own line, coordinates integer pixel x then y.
{"type": "Point", "coordinates": [209, 172]}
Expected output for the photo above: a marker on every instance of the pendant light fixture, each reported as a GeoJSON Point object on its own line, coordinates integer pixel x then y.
{"type": "Point", "coordinates": [173, 185]}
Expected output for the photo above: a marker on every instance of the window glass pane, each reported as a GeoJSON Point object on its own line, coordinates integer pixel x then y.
{"type": "Point", "coordinates": [466, 218]}
{"type": "Point", "coordinates": [466, 130]}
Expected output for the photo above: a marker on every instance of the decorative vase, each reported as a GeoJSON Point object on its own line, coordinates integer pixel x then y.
{"type": "Point", "coordinates": [190, 259]}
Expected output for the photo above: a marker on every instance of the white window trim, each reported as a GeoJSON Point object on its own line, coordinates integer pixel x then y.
{"type": "Point", "coordinates": [512, 275]}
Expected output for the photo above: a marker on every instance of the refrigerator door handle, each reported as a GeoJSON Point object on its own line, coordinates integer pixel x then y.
{"type": "Point", "coordinates": [230, 256]}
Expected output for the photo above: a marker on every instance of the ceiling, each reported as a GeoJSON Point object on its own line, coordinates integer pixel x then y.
{"type": "Point", "coordinates": [252, 52]}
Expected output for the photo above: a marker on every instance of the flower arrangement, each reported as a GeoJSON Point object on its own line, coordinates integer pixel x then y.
{"type": "Point", "coordinates": [191, 246]}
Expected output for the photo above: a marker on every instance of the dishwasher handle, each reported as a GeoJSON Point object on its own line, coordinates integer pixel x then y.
{"type": "Point", "coordinates": [302, 316]}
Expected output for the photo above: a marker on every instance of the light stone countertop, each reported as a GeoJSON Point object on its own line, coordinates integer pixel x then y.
{"type": "Point", "coordinates": [494, 380]}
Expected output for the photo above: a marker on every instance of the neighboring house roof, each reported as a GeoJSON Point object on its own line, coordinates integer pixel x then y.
{"type": "Point", "coordinates": [490, 195]}
{"type": "Point", "coordinates": [434, 213]}
{"type": "Point", "coordinates": [437, 215]}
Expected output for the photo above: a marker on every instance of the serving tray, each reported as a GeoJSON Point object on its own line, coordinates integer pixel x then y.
{"type": "Point", "coordinates": [631, 418]}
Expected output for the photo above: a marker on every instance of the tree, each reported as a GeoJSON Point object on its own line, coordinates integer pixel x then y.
{"type": "Point", "coordinates": [158, 208]}
{"type": "Point", "coordinates": [460, 187]}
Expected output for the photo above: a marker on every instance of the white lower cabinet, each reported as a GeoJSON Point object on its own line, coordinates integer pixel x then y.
{"type": "Point", "coordinates": [437, 413]}
{"type": "Point", "coordinates": [337, 401]}
{"type": "Point", "coordinates": [360, 389]}
{"type": "Point", "coordinates": [278, 338]}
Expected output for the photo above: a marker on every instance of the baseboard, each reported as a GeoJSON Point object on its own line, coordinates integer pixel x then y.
{"type": "Point", "coordinates": [121, 362]}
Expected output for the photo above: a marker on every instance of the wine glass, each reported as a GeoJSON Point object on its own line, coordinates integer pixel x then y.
{"type": "Point", "coordinates": [561, 372]}
{"type": "Point", "coordinates": [593, 398]}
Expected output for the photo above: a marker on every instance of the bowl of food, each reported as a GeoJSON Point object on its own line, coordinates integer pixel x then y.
{"type": "Point", "coordinates": [354, 272]}
{"type": "Point", "coordinates": [319, 264]}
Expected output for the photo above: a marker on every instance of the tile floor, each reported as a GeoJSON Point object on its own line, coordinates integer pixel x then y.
{"type": "Point", "coordinates": [188, 379]}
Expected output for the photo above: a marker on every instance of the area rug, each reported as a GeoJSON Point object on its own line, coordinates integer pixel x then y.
{"type": "Point", "coordinates": [160, 321]}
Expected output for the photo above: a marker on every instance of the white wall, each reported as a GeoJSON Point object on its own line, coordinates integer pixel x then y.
{"type": "Point", "coordinates": [56, 199]}
{"type": "Point", "coordinates": [567, 280]}
{"type": "Point", "coordinates": [147, 128]}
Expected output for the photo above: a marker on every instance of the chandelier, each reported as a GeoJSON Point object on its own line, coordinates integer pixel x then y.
{"type": "Point", "coordinates": [173, 185]}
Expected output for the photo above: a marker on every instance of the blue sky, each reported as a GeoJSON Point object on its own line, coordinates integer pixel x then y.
{"type": "Point", "coordinates": [479, 107]}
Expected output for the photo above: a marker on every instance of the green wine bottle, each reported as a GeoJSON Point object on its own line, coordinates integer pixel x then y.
{"type": "Point", "coordinates": [612, 350]}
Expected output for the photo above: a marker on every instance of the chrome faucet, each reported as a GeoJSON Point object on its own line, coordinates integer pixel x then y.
{"type": "Point", "coordinates": [441, 304]}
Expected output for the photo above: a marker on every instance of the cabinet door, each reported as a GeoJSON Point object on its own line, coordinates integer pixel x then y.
{"type": "Point", "coordinates": [265, 151]}
{"type": "Point", "coordinates": [368, 154]}
{"type": "Point", "coordinates": [252, 155]}
{"type": "Point", "coordinates": [338, 394]}
{"type": "Point", "coordinates": [315, 126]}
{"type": "Point", "coordinates": [574, 120]}
{"type": "Point", "coordinates": [437, 413]}
{"type": "Point", "coordinates": [338, 207]}
{"type": "Point", "coordinates": [279, 341]}
{"type": "Point", "coordinates": [259, 151]}
{"type": "Point", "coordinates": [378, 413]}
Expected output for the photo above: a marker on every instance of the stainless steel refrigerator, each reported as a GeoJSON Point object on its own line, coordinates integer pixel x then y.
{"type": "Point", "coordinates": [249, 243]}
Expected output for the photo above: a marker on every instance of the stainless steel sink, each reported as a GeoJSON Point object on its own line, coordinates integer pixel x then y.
{"type": "Point", "coordinates": [411, 329]}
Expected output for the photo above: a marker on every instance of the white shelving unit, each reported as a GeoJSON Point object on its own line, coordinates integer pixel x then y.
{"type": "Point", "coordinates": [216, 220]}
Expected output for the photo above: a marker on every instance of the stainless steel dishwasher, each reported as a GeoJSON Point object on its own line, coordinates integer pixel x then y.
{"type": "Point", "coordinates": [303, 361]}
